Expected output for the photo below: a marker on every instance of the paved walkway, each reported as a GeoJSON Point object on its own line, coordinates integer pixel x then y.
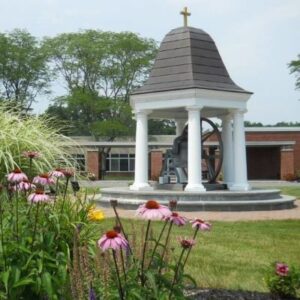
{"type": "Point", "coordinates": [284, 214]}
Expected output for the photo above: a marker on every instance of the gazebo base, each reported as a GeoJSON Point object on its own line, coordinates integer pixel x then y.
{"type": "Point", "coordinates": [221, 200]}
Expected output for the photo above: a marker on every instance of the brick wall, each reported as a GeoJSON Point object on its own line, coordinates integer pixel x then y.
{"type": "Point", "coordinates": [287, 163]}
{"type": "Point", "coordinates": [93, 162]}
{"type": "Point", "coordinates": [156, 161]}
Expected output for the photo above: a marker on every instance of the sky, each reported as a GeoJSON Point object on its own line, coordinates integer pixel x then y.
{"type": "Point", "coordinates": [256, 39]}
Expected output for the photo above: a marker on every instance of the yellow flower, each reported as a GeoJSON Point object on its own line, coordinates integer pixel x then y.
{"type": "Point", "coordinates": [95, 214]}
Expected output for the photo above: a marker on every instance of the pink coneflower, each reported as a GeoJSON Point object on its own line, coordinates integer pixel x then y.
{"type": "Point", "coordinates": [153, 210]}
{"type": "Point", "coordinates": [58, 172]}
{"type": "Point", "coordinates": [176, 219]}
{"type": "Point", "coordinates": [43, 179]}
{"type": "Point", "coordinates": [172, 204]}
{"type": "Point", "coordinates": [200, 224]}
{"type": "Point", "coordinates": [31, 154]}
{"type": "Point", "coordinates": [16, 176]}
{"type": "Point", "coordinates": [38, 196]}
{"type": "Point", "coordinates": [68, 172]}
{"type": "Point", "coordinates": [282, 269]}
{"type": "Point", "coordinates": [112, 240]}
{"type": "Point", "coordinates": [187, 243]}
{"type": "Point", "coordinates": [25, 185]}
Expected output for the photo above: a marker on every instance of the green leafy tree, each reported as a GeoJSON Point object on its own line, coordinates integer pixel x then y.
{"type": "Point", "coordinates": [110, 64]}
{"type": "Point", "coordinates": [99, 70]}
{"type": "Point", "coordinates": [253, 124]}
{"type": "Point", "coordinates": [24, 73]}
{"type": "Point", "coordinates": [294, 66]}
{"type": "Point", "coordinates": [162, 127]}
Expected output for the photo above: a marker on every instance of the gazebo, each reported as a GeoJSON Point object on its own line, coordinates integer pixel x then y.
{"type": "Point", "coordinates": [188, 81]}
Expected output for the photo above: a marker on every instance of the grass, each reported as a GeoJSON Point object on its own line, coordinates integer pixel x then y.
{"type": "Point", "coordinates": [291, 191]}
{"type": "Point", "coordinates": [235, 255]}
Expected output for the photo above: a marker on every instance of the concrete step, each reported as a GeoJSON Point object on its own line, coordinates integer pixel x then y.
{"type": "Point", "coordinates": [204, 201]}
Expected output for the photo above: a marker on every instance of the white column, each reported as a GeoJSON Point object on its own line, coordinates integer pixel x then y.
{"type": "Point", "coordinates": [141, 152]}
{"type": "Point", "coordinates": [194, 151]}
{"type": "Point", "coordinates": [228, 163]}
{"type": "Point", "coordinates": [180, 123]}
{"type": "Point", "coordinates": [239, 149]}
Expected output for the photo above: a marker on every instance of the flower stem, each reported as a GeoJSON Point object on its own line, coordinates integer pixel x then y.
{"type": "Point", "coordinates": [17, 216]}
{"type": "Point", "coordinates": [65, 193]}
{"type": "Point", "coordinates": [2, 238]}
{"type": "Point", "coordinates": [157, 243]}
{"type": "Point", "coordinates": [176, 272]}
{"type": "Point", "coordinates": [123, 264]}
{"type": "Point", "coordinates": [118, 275]}
{"type": "Point", "coordinates": [144, 252]}
{"type": "Point", "coordinates": [190, 249]}
{"type": "Point", "coordinates": [35, 224]}
{"type": "Point", "coordinates": [122, 227]}
{"type": "Point", "coordinates": [166, 244]}
{"type": "Point", "coordinates": [30, 168]}
{"type": "Point", "coordinates": [56, 189]}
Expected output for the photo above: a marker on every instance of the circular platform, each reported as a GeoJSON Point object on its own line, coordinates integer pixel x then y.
{"type": "Point", "coordinates": [256, 199]}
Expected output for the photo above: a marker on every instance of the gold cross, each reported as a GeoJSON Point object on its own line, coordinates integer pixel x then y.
{"type": "Point", "coordinates": [185, 14]}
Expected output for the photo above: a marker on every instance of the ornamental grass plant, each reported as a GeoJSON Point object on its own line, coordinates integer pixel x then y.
{"type": "Point", "coordinates": [20, 134]}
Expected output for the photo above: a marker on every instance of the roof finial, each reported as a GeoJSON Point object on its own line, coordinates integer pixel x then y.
{"type": "Point", "coordinates": [185, 14]}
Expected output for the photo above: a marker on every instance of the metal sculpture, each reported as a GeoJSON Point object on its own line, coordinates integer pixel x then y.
{"type": "Point", "coordinates": [175, 162]}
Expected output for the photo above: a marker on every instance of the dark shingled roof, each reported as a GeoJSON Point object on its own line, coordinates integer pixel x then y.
{"type": "Point", "coordinates": [188, 58]}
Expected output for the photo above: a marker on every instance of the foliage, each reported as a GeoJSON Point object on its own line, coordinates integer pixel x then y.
{"type": "Point", "coordinates": [90, 114]}
{"type": "Point", "coordinates": [24, 72]}
{"type": "Point", "coordinates": [37, 241]}
{"type": "Point", "coordinates": [161, 127]}
{"type": "Point", "coordinates": [39, 134]}
{"type": "Point", "coordinates": [99, 69]}
{"type": "Point", "coordinates": [285, 285]}
{"type": "Point", "coordinates": [253, 124]}
{"type": "Point", "coordinates": [109, 63]}
{"type": "Point", "coordinates": [146, 269]}
{"type": "Point", "coordinates": [278, 124]}
{"type": "Point", "coordinates": [290, 177]}
{"type": "Point", "coordinates": [294, 66]}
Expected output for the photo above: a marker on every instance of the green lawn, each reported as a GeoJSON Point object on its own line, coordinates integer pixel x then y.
{"type": "Point", "coordinates": [292, 191]}
{"type": "Point", "coordinates": [235, 255]}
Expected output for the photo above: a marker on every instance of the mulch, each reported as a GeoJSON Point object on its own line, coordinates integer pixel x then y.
{"type": "Point", "coordinates": [222, 294]}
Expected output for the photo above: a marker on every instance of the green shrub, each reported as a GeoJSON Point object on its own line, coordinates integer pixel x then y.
{"type": "Point", "coordinates": [283, 280]}
{"type": "Point", "coordinates": [37, 239]}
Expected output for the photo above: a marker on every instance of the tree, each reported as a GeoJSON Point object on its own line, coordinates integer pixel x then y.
{"type": "Point", "coordinates": [253, 124]}
{"type": "Point", "coordinates": [111, 64]}
{"type": "Point", "coordinates": [99, 69]}
{"type": "Point", "coordinates": [294, 66]}
{"type": "Point", "coordinates": [24, 73]}
{"type": "Point", "coordinates": [160, 127]}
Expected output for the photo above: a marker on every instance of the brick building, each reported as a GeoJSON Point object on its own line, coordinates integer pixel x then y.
{"type": "Point", "coordinates": [272, 153]}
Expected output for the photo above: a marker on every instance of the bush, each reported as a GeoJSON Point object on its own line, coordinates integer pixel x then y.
{"type": "Point", "coordinates": [37, 235]}
{"type": "Point", "coordinates": [137, 265]}
{"type": "Point", "coordinates": [283, 280]}
{"type": "Point", "coordinates": [290, 177]}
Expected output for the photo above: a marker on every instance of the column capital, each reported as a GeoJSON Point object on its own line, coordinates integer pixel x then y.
{"type": "Point", "coordinates": [227, 117]}
{"type": "Point", "coordinates": [194, 108]}
{"type": "Point", "coordinates": [142, 111]}
{"type": "Point", "coordinates": [239, 111]}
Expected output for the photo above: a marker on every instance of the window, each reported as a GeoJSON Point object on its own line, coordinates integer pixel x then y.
{"type": "Point", "coordinates": [120, 162]}
{"type": "Point", "coordinates": [79, 161]}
